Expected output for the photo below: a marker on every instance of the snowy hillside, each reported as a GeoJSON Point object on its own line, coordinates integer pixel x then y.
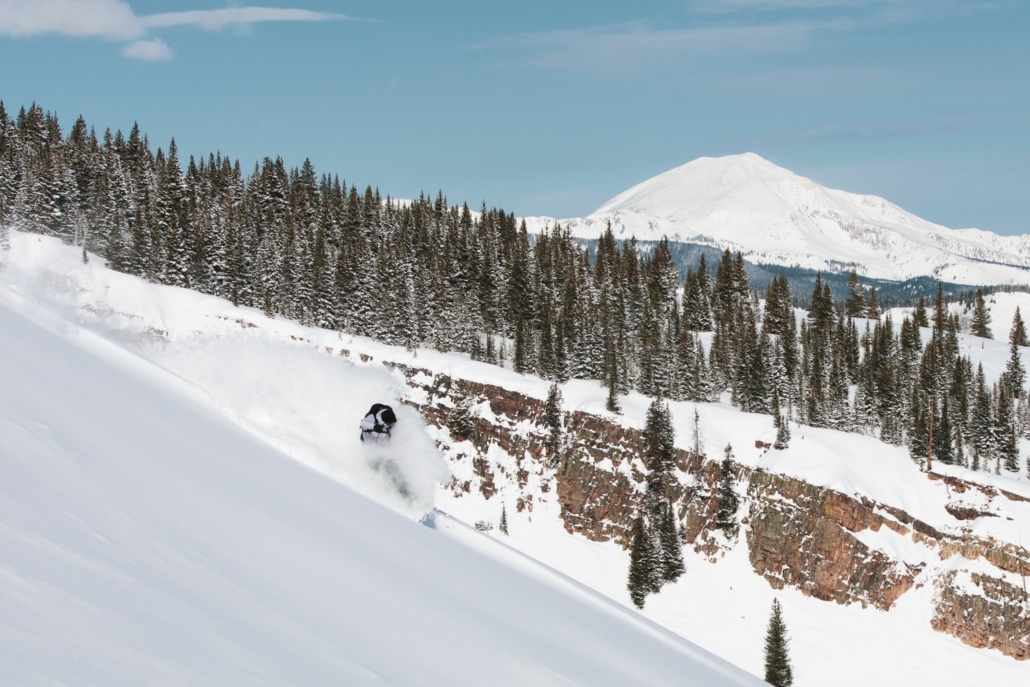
{"type": "Point", "coordinates": [219, 546]}
{"type": "Point", "coordinates": [146, 539]}
{"type": "Point", "coordinates": [746, 203]}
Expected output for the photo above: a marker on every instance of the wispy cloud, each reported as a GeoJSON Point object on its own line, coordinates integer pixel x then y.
{"type": "Point", "coordinates": [715, 6]}
{"type": "Point", "coordinates": [109, 19]}
{"type": "Point", "coordinates": [115, 20]}
{"type": "Point", "coordinates": [153, 50]}
{"type": "Point", "coordinates": [633, 45]}
{"type": "Point", "coordinates": [720, 28]}
{"type": "Point", "coordinates": [214, 20]}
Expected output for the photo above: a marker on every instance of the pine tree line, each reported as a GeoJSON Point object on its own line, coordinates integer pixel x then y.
{"type": "Point", "coordinates": [427, 274]}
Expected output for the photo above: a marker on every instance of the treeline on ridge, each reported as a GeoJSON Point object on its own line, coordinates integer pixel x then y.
{"type": "Point", "coordinates": [428, 274]}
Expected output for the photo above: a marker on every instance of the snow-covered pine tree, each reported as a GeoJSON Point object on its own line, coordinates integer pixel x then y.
{"type": "Point", "coordinates": [553, 421]}
{"type": "Point", "coordinates": [644, 564]}
{"type": "Point", "coordinates": [855, 303]}
{"type": "Point", "coordinates": [943, 449]}
{"type": "Point", "coordinates": [782, 426]}
{"type": "Point", "coordinates": [611, 404]}
{"type": "Point", "coordinates": [659, 438]}
{"type": "Point", "coordinates": [727, 501]}
{"type": "Point", "coordinates": [462, 419]}
{"type": "Point", "coordinates": [778, 670]}
{"type": "Point", "coordinates": [919, 428]}
{"type": "Point", "coordinates": [1014, 376]}
{"type": "Point", "coordinates": [697, 308]}
{"type": "Point", "coordinates": [919, 316]}
{"type": "Point", "coordinates": [1005, 429]}
{"type": "Point", "coordinates": [873, 309]}
{"type": "Point", "coordinates": [981, 322]}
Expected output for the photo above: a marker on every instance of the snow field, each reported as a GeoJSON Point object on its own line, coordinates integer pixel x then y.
{"type": "Point", "coordinates": [278, 381]}
{"type": "Point", "coordinates": [145, 538]}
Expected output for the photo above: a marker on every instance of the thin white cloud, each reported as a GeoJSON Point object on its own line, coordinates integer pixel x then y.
{"type": "Point", "coordinates": [727, 31]}
{"type": "Point", "coordinates": [629, 46]}
{"type": "Point", "coordinates": [115, 20]}
{"type": "Point", "coordinates": [737, 5]}
{"type": "Point", "coordinates": [109, 19]}
{"type": "Point", "coordinates": [153, 50]}
{"type": "Point", "coordinates": [213, 20]}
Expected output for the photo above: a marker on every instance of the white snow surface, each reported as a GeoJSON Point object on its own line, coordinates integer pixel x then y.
{"type": "Point", "coordinates": [146, 538]}
{"type": "Point", "coordinates": [773, 216]}
{"type": "Point", "coordinates": [145, 532]}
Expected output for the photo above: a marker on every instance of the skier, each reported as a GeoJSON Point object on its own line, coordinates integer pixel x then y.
{"type": "Point", "coordinates": [377, 423]}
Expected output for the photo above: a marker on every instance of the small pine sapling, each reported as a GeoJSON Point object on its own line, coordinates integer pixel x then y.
{"type": "Point", "coordinates": [782, 426]}
{"type": "Point", "coordinates": [503, 526]}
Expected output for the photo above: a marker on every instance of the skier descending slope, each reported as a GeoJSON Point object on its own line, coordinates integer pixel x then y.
{"type": "Point", "coordinates": [378, 423]}
{"type": "Point", "coordinates": [376, 434]}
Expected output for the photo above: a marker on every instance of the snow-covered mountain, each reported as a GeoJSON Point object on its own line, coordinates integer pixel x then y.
{"type": "Point", "coordinates": [133, 506]}
{"type": "Point", "coordinates": [148, 538]}
{"type": "Point", "coordinates": [773, 216]}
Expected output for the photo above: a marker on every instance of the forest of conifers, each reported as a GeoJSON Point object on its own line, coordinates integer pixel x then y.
{"type": "Point", "coordinates": [423, 273]}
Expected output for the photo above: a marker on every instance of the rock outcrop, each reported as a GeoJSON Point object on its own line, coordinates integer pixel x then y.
{"type": "Point", "coordinates": [798, 534]}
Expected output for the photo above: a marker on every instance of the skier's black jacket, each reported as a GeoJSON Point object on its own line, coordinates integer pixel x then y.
{"type": "Point", "coordinates": [378, 422]}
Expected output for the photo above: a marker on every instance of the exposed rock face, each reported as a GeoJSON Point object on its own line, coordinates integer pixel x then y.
{"type": "Point", "coordinates": [798, 534]}
{"type": "Point", "coordinates": [984, 612]}
{"type": "Point", "coordinates": [802, 535]}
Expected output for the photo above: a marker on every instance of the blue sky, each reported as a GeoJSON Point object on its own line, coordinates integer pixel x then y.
{"type": "Point", "coordinates": [553, 107]}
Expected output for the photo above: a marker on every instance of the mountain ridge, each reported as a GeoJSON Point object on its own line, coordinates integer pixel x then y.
{"type": "Point", "coordinates": [773, 216]}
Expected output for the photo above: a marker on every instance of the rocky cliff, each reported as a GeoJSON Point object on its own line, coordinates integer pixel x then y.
{"type": "Point", "coordinates": [797, 534]}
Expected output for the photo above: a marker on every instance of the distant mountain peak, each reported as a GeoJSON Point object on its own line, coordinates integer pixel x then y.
{"type": "Point", "coordinates": [773, 216]}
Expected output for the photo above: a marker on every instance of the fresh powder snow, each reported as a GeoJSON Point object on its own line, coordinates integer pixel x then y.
{"type": "Point", "coordinates": [193, 366]}
{"type": "Point", "coordinates": [147, 538]}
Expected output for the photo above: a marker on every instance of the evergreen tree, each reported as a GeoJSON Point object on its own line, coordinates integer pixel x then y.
{"type": "Point", "coordinates": [943, 449]}
{"type": "Point", "coordinates": [659, 437]}
{"type": "Point", "coordinates": [644, 564]}
{"type": "Point", "coordinates": [778, 670]}
{"type": "Point", "coordinates": [1015, 372]}
{"type": "Point", "coordinates": [697, 305]}
{"type": "Point", "coordinates": [669, 540]}
{"type": "Point", "coordinates": [873, 309]}
{"type": "Point", "coordinates": [503, 526]}
{"type": "Point", "coordinates": [1005, 431]}
{"type": "Point", "coordinates": [981, 324]}
{"type": "Point", "coordinates": [659, 521]}
{"type": "Point", "coordinates": [782, 426]}
{"type": "Point", "coordinates": [611, 404]}
{"type": "Point", "coordinates": [462, 420]}
{"type": "Point", "coordinates": [553, 421]}
{"type": "Point", "coordinates": [855, 304]}
{"type": "Point", "coordinates": [919, 428]}
{"type": "Point", "coordinates": [727, 501]}
{"type": "Point", "coordinates": [919, 317]}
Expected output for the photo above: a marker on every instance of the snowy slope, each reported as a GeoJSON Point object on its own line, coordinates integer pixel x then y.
{"type": "Point", "coordinates": [147, 539]}
{"type": "Point", "coordinates": [746, 203]}
{"type": "Point", "coordinates": [300, 388]}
